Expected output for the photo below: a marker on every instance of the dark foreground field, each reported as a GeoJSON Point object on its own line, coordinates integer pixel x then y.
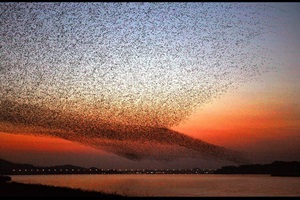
{"type": "Point", "coordinates": [10, 189]}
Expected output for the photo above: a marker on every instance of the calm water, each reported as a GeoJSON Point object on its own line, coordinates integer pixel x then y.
{"type": "Point", "coordinates": [174, 185]}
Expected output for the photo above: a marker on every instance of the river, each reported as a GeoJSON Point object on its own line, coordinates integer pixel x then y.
{"type": "Point", "coordinates": [183, 185]}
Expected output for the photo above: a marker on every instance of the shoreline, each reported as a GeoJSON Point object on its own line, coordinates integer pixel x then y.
{"type": "Point", "coordinates": [15, 189]}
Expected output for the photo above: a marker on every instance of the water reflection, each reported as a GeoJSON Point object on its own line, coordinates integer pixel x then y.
{"type": "Point", "coordinates": [175, 185]}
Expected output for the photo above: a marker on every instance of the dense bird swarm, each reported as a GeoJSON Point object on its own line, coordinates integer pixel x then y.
{"type": "Point", "coordinates": [116, 76]}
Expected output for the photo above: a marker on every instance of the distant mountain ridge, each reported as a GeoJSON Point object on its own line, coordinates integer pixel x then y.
{"type": "Point", "coordinates": [276, 168]}
{"type": "Point", "coordinates": [4, 164]}
{"type": "Point", "coordinates": [7, 166]}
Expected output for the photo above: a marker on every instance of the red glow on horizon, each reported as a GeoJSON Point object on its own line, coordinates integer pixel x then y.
{"type": "Point", "coordinates": [19, 142]}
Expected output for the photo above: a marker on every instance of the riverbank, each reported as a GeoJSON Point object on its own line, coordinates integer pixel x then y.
{"type": "Point", "coordinates": [10, 189]}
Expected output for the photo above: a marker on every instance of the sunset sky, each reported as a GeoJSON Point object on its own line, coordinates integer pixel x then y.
{"type": "Point", "coordinates": [86, 84]}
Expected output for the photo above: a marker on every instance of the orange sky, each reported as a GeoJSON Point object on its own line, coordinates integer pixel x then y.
{"type": "Point", "coordinates": [18, 142]}
{"type": "Point", "coordinates": [266, 110]}
{"type": "Point", "coordinates": [260, 116]}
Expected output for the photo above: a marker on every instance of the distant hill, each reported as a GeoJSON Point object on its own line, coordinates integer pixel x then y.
{"type": "Point", "coordinates": [277, 168]}
{"type": "Point", "coordinates": [4, 164]}
{"type": "Point", "coordinates": [7, 167]}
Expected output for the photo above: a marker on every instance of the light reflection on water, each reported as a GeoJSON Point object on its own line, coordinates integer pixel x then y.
{"type": "Point", "coordinates": [174, 185]}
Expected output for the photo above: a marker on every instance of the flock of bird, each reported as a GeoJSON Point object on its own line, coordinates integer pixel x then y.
{"type": "Point", "coordinates": [117, 76]}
